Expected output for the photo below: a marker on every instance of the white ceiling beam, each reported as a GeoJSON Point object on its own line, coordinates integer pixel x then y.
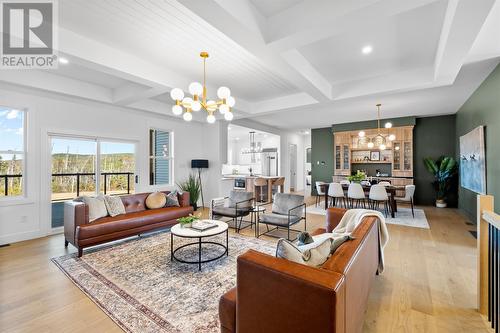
{"type": "Point", "coordinates": [307, 23]}
{"type": "Point", "coordinates": [247, 13]}
{"type": "Point", "coordinates": [463, 22]}
{"type": "Point", "coordinates": [132, 92]}
{"type": "Point", "coordinates": [285, 102]}
{"type": "Point", "coordinates": [46, 81]}
{"type": "Point", "coordinates": [216, 15]}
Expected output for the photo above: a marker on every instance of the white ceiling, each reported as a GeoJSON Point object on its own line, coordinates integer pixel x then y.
{"type": "Point", "coordinates": [291, 64]}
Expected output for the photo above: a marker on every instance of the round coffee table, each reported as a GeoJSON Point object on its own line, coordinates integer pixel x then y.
{"type": "Point", "coordinates": [178, 231]}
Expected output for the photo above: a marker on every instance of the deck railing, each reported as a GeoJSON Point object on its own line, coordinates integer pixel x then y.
{"type": "Point", "coordinates": [78, 176]}
{"type": "Point", "coordinates": [489, 260]}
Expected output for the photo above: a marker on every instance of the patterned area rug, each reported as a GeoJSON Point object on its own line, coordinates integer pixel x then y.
{"type": "Point", "coordinates": [135, 283]}
{"type": "Point", "coordinates": [403, 216]}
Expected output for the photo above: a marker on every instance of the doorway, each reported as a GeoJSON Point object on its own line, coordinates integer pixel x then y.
{"type": "Point", "coordinates": [293, 167]}
{"type": "Point", "coordinates": [88, 166]}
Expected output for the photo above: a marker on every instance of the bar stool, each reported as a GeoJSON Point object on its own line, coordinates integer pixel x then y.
{"type": "Point", "coordinates": [260, 183]}
{"type": "Point", "coordinates": [335, 191]}
{"type": "Point", "coordinates": [356, 192]}
{"type": "Point", "coordinates": [319, 191]}
{"type": "Point", "coordinates": [278, 185]}
{"type": "Point", "coordinates": [377, 195]}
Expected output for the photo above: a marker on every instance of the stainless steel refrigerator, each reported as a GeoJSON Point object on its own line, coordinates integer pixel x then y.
{"type": "Point", "coordinates": [269, 161]}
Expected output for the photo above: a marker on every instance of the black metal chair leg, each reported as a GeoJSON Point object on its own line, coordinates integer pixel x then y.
{"type": "Point", "coordinates": [412, 212]}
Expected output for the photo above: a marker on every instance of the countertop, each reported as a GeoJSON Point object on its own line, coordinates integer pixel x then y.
{"type": "Point", "coordinates": [228, 177]}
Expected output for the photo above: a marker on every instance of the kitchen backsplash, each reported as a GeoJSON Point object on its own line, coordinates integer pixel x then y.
{"type": "Point", "coordinates": [230, 169]}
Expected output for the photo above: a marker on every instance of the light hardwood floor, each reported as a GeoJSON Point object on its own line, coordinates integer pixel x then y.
{"type": "Point", "coordinates": [429, 284]}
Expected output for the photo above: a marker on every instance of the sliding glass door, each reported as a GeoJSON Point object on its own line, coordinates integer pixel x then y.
{"type": "Point", "coordinates": [88, 166]}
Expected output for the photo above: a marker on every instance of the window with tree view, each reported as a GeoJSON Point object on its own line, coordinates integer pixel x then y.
{"type": "Point", "coordinates": [160, 157]}
{"type": "Point", "coordinates": [12, 154]}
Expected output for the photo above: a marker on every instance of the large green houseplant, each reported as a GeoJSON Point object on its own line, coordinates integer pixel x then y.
{"type": "Point", "coordinates": [191, 185]}
{"type": "Point", "coordinates": [443, 170]}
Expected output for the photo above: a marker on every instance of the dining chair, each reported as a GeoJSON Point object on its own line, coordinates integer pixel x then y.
{"type": "Point", "coordinates": [378, 195]}
{"type": "Point", "coordinates": [384, 183]}
{"type": "Point", "coordinates": [344, 182]}
{"type": "Point", "coordinates": [365, 183]}
{"type": "Point", "coordinates": [356, 193]}
{"type": "Point", "coordinates": [336, 192]}
{"type": "Point", "coordinates": [408, 198]}
{"type": "Point", "coordinates": [320, 191]}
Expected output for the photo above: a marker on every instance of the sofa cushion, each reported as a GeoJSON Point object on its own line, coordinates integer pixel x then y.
{"type": "Point", "coordinates": [97, 207]}
{"type": "Point", "coordinates": [285, 201]}
{"type": "Point", "coordinates": [172, 200]}
{"type": "Point", "coordinates": [313, 257]}
{"type": "Point", "coordinates": [134, 202]}
{"type": "Point", "coordinates": [277, 219]}
{"type": "Point", "coordinates": [156, 200]}
{"type": "Point", "coordinates": [114, 205]}
{"type": "Point", "coordinates": [107, 225]}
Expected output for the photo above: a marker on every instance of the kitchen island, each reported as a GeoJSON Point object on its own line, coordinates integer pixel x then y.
{"type": "Point", "coordinates": [247, 183]}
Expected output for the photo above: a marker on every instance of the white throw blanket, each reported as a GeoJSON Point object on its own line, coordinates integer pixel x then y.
{"type": "Point", "coordinates": [351, 219]}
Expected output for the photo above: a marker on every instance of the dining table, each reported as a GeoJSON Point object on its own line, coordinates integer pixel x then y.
{"type": "Point", "coordinates": [391, 191]}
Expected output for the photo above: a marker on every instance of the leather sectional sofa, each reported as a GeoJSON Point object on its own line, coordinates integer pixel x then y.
{"type": "Point", "coordinates": [276, 295]}
{"type": "Point", "coordinates": [137, 220]}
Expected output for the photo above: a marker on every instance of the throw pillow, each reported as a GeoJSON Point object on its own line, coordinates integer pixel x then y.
{"type": "Point", "coordinates": [114, 205]}
{"type": "Point", "coordinates": [97, 207]}
{"type": "Point", "coordinates": [172, 199]}
{"type": "Point", "coordinates": [156, 200]}
{"type": "Point", "coordinates": [314, 257]}
{"type": "Point", "coordinates": [304, 238]}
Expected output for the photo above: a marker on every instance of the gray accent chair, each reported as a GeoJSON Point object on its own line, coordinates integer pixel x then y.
{"type": "Point", "coordinates": [236, 206]}
{"type": "Point", "coordinates": [287, 210]}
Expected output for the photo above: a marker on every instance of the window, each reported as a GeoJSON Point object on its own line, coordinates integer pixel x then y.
{"type": "Point", "coordinates": [160, 157]}
{"type": "Point", "coordinates": [12, 151]}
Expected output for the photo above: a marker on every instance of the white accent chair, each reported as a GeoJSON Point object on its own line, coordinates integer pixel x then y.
{"type": "Point", "coordinates": [378, 195]}
{"type": "Point", "coordinates": [344, 182]}
{"type": "Point", "coordinates": [408, 198]}
{"type": "Point", "coordinates": [356, 193]}
{"type": "Point", "coordinates": [336, 192]}
{"type": "Point", "coordinates": [319, 191]}
{"type": "Point", "coordinates": [384, 183]}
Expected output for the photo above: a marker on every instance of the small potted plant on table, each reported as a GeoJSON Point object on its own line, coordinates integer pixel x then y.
{"type": "Point", "coordinates": [187, 221]}
{"type": "Point", "coordinates": [358, 177]}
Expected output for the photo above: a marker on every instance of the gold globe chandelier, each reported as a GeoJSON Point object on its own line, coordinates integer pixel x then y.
{"type": "Point", "coordinates": [187, 105]}
{"type": "Point", "coordinates": [380, 140]}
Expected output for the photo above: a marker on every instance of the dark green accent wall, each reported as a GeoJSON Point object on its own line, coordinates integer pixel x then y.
{"type": "Point", "coordinates": [482, 108]}
{"type": "Point", "coordinates": [432, 137]}
{"type": "Point", "coordinates": [322, 152]}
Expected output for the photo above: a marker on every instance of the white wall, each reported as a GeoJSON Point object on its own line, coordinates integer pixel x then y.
{"type": "Point", "coordinates": [30, 217]}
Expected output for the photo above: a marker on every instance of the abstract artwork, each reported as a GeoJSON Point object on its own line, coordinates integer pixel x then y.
{"type": "Point", "coordinates": [473, 161]}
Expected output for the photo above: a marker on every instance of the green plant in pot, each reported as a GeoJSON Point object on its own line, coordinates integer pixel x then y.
{"type": "Point", "coordinates": [187, 221]}
{"type": "Point", "coordinates": [443, 170]}
{"type": "Point", "coordinates": [357, 177]}
{"type": "Point", "coordinates": [192, 186]}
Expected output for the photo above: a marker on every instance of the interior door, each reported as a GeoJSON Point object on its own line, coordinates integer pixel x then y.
{"type": "Point", "coordinates": [293, 167]}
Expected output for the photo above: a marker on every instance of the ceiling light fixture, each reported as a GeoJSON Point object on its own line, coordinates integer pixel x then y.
{"type": "Point", "coordinates": [380, 140]}
{"type": "Point", "coordinates": [199, 99]}
{"type": "Point", "coordinates": [63, 60]}
{"type": "Point", "coordinates": [367, 49]}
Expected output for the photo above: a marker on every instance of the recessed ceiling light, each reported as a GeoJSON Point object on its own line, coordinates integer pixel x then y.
{"type": "Point", "coordinates": [236, 139]}
{"type": "Point", "coordinates": [63, 60]}
{"type": "Point", "coordinates": [367, 49]}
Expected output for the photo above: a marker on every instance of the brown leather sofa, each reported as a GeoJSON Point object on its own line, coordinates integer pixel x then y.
{"type": "Point", "coordinates": [137, 220]}
{"type": "Point", "coordinates": [276, 295]}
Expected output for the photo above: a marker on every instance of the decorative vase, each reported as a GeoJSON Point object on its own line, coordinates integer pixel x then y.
{"type": "Point", "coordinates": [440, 203]}
{"type": "Point", "coordinates": [186, 225]}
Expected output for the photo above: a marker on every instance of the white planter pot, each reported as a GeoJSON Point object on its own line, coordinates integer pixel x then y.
{"type": "Point", "coordinates": [441, 204]}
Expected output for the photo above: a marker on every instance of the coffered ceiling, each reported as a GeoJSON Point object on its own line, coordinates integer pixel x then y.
{"type": "Point", "coordinates": [289, 63]}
